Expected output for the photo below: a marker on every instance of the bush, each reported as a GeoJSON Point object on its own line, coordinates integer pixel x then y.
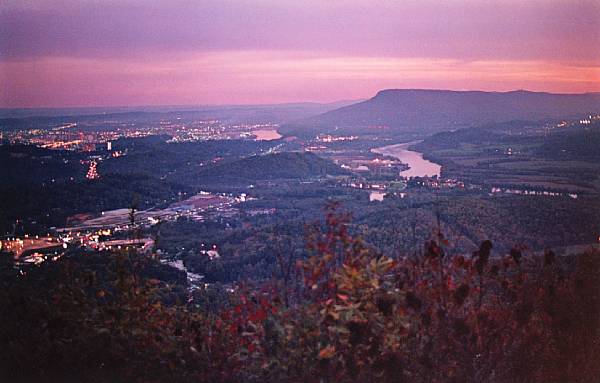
{"type": "Point", "coordinates": [346, 314]}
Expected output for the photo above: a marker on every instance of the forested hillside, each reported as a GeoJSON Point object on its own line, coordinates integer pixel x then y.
{"type": "Point", "coordinates": [287, 165]}
{"type": "Point", "coordinates": [344, 314]}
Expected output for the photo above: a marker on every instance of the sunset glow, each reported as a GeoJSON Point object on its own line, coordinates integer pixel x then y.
{"type": "Point", "coordinates": [270, 52]}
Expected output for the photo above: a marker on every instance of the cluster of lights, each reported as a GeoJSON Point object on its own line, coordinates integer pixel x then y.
{"type": "Point", "coordinates": [92, 173]}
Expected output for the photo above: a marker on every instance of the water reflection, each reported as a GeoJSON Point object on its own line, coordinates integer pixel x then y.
{"type": "Point", "coordinates": [419, 167]}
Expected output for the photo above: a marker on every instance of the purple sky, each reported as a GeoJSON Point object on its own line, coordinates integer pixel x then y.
{"type": "Point", "coordinates": [134, 52]}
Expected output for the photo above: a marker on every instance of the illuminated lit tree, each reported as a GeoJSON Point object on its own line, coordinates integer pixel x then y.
{"type": "Point", "coordinates": [92, 174]}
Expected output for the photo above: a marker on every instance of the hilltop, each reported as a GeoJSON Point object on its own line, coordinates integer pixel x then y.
{"type": "Point", "coordinates": [286, 165]}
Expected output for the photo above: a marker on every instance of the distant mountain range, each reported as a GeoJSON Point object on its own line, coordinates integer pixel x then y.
{"type": "Point", "coordinates": [276, 113]}
{"type": "Point", "coordinates": [427, 111]}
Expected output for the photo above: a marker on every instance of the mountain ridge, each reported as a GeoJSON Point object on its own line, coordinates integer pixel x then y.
{"type": "Point", "coordinates": [430, 111]}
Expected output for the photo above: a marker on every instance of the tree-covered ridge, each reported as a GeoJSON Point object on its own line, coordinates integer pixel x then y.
{"type": "Point", "coordinates": [344, 314]}
{"type": "Point", "coordinates": [286, 165]}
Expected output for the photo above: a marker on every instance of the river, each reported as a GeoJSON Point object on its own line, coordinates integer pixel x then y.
{"type": "Point", "coordinates": [419, 167]}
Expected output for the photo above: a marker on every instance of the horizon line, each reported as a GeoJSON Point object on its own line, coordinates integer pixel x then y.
{"type": "Point", "coordinates": [221, 105]}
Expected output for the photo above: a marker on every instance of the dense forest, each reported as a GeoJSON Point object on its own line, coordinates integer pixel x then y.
{"type": "Point", "coordinates": [249, 244]}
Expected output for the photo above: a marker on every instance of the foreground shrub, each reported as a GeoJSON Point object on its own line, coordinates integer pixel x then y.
{"type": "Point", "coordinates": [345, 314]}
